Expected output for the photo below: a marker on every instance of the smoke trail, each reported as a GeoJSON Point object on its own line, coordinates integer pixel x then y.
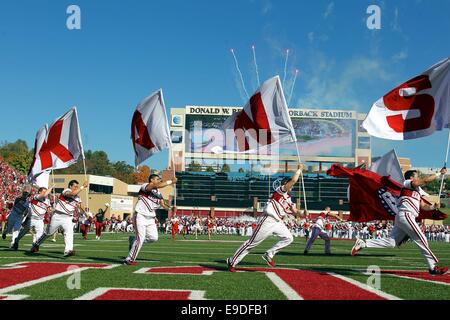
{"type": "Point", "coordinates": [240, 73]}
{"type": "Point", "coordinates": [285, 66]}
{"type": "Point", "coordinates": [293, 86]}
{"type": "Point", "coordinates": [256, 65]}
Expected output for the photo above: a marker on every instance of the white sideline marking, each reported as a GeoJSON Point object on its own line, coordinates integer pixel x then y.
{"type": "Point", "coordinates": [15, 297]}
{"type": "Point", "coordinates": [283, 286]}
{"type": "Point", "coordinates": [204, 273]}
{"type": "Point", "coordinates": [30, 283]}
{"type": "Point", "coordinates": [365, 287]}
{"type": "Point", "coordinates": [194, 294]}
{"type": "Point", "coordinates": [417, 279]}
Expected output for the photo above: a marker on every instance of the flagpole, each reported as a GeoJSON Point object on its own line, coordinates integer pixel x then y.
{"type": "Point", "coordinates": [53, 191]}
{"type": "Point", "coordinates": [445, 165]}
{"type": "Point", "coordinates": [301, 176]}
{"type": "Point", "coordinates": [174, 174]}
{"type": "Point", "coordinates": [87, 189]}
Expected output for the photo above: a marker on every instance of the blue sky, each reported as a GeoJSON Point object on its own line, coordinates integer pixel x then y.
{"type": "Point", "coordinates": [128, 49]}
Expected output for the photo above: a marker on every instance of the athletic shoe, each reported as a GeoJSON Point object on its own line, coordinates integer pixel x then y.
{"type": "Point", "coordinates": [15, 246]}
{"type": "Point", "coordinates": [230, 266]}
{"type": "Point", "coordinates": [53, 240]}
{"type": "Point", "coordinates": [439, 271]}
{"type": "Point", "coordinates": [4, 236]}
{"type": "Point", "coordinates": [69, 253]}
{"type": "Point", "coordinates": [269, 260]}
{"type": "Point", "coordinates": [130, 263]}
{"type": "Point", "coordinates": [305, 253]}
{"type": "Point", "coordinates": [359, 245]}
{"type": "Point", "coordinates": [34, 248]}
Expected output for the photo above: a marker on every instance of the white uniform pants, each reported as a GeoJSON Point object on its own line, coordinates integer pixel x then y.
{"type": "Point", "coordinates": [317, 232]}
{"type": "Point", "coordinates": [59, 221]}
{"type": "Point", "coordinates": [406, 226]}
{"type": "Point", "coordinates": [31, 223]}
{"type": "Point", "coordinates": [146, 231]}
{"type": "Point", "coordinates": [266, 227]}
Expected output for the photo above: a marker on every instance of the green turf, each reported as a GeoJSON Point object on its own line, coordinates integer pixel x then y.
{"type": "Point", "coordinates": [112, 249]}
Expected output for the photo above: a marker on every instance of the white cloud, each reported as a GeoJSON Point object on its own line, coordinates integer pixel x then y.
{"type": "Point", "coordinates": [266, 7]}
{"type": "Point", "coordinates": [395, 24]}
{"type": "Point", "coordinates": [329, 10]}
{"type": "Point", "coordinates": [331, 85]}
{"type": "Point", "coordinates": [311, 36]}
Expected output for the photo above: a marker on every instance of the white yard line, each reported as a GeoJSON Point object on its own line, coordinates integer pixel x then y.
{"type": "Point", "coordinates": [415, 279]}
{"type": "Point", "coordinates": [283, 286]}
{"type": "Point", "coordinates": [365, 287]}
{"type": "Point", "coordinates": [194, 294]}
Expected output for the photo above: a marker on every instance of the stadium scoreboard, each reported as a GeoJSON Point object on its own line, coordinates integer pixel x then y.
{"type": "Point", "coordinates": [323, 136]}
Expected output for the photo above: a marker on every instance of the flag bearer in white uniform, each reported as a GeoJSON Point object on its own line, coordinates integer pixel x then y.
{"type": "Point", "coordinates": [144, 218]}
{"type": "Point", "coordinates": [39, 207]}
{"type": "Point", "coordinates": [405, 225]}
{"type": "Point", "coordinates": [67, 206]}
{"type": "Point", "coordinates": [271, 223]}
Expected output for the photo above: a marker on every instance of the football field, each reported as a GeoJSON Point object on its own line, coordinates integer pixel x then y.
{"type": "Point", "coordinates": [196, 269]}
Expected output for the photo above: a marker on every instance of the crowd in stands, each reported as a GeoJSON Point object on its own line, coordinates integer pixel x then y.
{"type": "Point", "coordinates": [11, 183]}
{"type": "Point", "coordinates": [245, 225]}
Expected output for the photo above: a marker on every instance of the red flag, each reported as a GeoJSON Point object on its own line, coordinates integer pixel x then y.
{"type": "Point", "coordinates": [373, 197]}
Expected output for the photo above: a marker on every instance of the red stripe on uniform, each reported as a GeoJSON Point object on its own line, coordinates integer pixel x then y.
{"type": "Point", "coordinates": [421, 237]}
{"type": "Point", "coordinates": [250, 241]}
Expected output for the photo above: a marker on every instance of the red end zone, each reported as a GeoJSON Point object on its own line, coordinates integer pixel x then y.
{"type": "Point", "coordinates": [308, 285]}
{"type": "Point", "coordinates": [21, 275]}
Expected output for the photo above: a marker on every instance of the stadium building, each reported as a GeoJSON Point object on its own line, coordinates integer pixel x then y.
{"type": "Point", "coordinates": [241, 183]}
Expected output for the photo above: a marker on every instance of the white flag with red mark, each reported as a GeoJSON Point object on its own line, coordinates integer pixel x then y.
{"type": "Point", "coordinates": [35, 175]}
{"type": "Point", "coordinates": [149, 128]}
{"type": "Point", "coordinates": [264, 120]}
{"type": "Point", "coordinates": [415, 109]}
{"type": "Point", "coordinates": [58, 147]}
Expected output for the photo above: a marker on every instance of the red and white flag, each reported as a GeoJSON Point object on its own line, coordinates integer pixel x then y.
{"type": "Point", "coordinates": [149, 128]}
{"type": "Point", "coordinates": [58, 147]}
{"type": "Point", "coordinates": [35, 175]}
{"type": "Point", "coordinates": [415, 109]}
{"type": "Point", "coordinates": [264, 120]}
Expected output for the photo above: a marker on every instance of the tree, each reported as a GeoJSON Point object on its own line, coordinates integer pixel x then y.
{"type": "Point", "coordinates": [209, 169]}
{"type": "Point", "coordinates": [226, 168]}
{"type": "Point", "coordinates": [17, 155]}
{"type": "Point", "coordinates": [195, 167]}
{"type": "Point", "coordinates": [141, 174]}
{"type": "Point", "coordinates": [124, 172]}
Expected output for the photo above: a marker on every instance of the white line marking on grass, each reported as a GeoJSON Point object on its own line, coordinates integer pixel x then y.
{"type": "Point", "coordinates": [194, 294]}
{"type": "Point", "coordinates": [15, 297]}
{"type": "Point", "coordinates": [365, 287]}
{"type": "Point", "coordinates": [283, 286]}
{"type": "Point", "coordinates": [416, 279]}
{"type": "Point", "coordinates": [43, 279]}
{"type": "Point", "coordinates": [204, 273]}
{"type": "Point", "coordinates": [339, 265]}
